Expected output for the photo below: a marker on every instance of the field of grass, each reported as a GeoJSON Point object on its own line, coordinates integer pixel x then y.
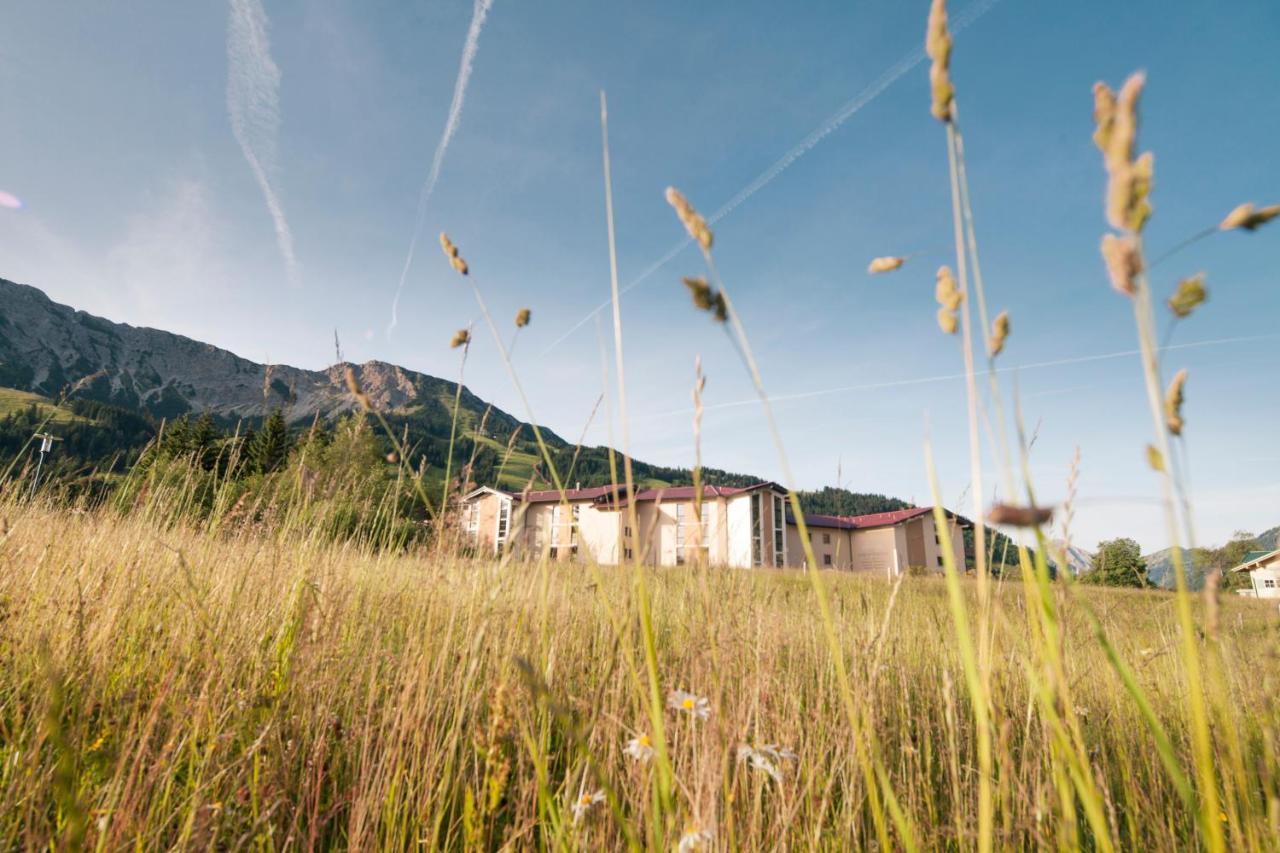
{"type": "Point", "coordinates": [12, 400]}
{"type": "Point", "coordinates": [195, 665]}
{"type": "Point", "coordinates": [168, 687]}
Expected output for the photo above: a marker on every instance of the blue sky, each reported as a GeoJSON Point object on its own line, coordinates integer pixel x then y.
{"type": "Point", "coordinates": [141, 206]}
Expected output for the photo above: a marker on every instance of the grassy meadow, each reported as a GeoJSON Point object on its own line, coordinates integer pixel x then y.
{"type": "Point", "coordinates": [168, 686]}
{"type": "Point", "coordinates": [194, 664]}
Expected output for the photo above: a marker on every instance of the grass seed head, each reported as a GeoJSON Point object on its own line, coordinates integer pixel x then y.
{"type": "Point", "coordinates": [1104, 115]}
{"type": "Point", "coordinates": [1020, 516]}
{"type": "Point", "coordinates": [885, 264]}
{"type": "Point", "coordinates": [451, 252]}
{"type": "Point", "coordinates": [1173, 399]}
{"type": "Point", "coordinates": [1155, 458]}
{"type": "Point", "coordinates": [1128, 193]}
{"type": "Point", "coordinates": [522, 318]}
{"type": "Point", "coordinates": [1190, 295]}
{"type": "Point", "coordinates": [1124, 263]}
{"type": "Point", "coordinates": [937, 44]}
{"type": "Point", "coordinates": [948, 295]}
{"type": "Point", "coordinates": [1249, 217]}
{"type": "Point", "coordinates": [690, 218]}
{"type": "Point", "coordinates": [947, 321]}
{"type": "Point", "coordinates": [706, 298]}
{"type": "Point", "coordinates": [1124, 126]}
{"type": "Point", "coordinates": [353, 385]}
{"type": "Point", "coordinates": [949, 298]}
{"type": "Point", "coordinates": [460, 338]}
{"type": "Point", "coordinates": [999, 334]}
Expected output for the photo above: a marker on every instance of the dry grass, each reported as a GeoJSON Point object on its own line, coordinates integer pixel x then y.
{"type": "Point", "coordinates": [168, 687]}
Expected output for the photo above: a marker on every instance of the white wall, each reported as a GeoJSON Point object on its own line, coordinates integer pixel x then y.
{"type": "Point", "coordinates": [739, 531]}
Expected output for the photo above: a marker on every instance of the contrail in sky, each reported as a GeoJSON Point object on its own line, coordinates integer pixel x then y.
{"type": "Point", "coordinates": [253, 104]}
{"type": "Point", "coordinates": [949, 377]}
{"type": "Point", "coordinates": [469, 48]}
{"type": "Point", "coordinates": [804, 146]}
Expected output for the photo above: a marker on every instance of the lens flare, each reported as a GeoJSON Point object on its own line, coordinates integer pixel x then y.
{"type": "Point", "coordinates": [10, 201]}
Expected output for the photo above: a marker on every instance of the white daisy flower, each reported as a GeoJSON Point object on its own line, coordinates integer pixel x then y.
{"type": "Point", "coordinates": [696, 706]}
{"type": "Point", "coordinates": [694, 838]}
{"type": "Point", "coordinates": [767, 758]}
{"type": "Point", "coordinates": [640, 748]}
{"type": "Point", "coordinates": [585, 804]}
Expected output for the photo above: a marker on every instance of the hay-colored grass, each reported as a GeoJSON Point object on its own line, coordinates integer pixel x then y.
{"type": "Point", "coordinates": [168, 687]}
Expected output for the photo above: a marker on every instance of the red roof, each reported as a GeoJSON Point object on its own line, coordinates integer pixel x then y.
{"type": "Point", "coordinates": [884, 519]}
{"type": "Point", "coordinates": [617, 493]}
{"type": "Point", "coordinates": [569, 494]}
{"type": "Point", "coordinates": [863, 522]}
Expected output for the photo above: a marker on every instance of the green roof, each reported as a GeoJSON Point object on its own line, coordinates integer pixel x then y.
{"type": "Point", "coordinates": [1253, 555]}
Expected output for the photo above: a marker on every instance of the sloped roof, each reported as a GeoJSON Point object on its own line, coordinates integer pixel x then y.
{"type": "Point", "coordinates": [615, 494]}
{"type": "Point", "coordinates": [867, 522]}
{"type": "Point", "coordinates": [1255, 560]}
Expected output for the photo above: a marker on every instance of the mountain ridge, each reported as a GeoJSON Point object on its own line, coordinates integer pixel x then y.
{"type": "Point", "coordinates": [47, 347]}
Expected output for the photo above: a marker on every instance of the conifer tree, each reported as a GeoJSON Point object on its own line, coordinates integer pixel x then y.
{"type": "Point", "coordinates": [271, 446]}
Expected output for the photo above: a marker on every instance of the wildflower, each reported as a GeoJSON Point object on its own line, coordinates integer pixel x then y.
{"type": "Point", "coordinates": [767, 758]}
{"type": "Point", "coordinates": [522, 318]}
{"type": "Point", "coordinates": [1019, 516]}
{"type": "Point", "coordinates": [640, 748]}
{"type": "Point", "coordinates": [354, 387]}
{"type": "Point", "coordinates": [1173, 399]}
{"type": "Point", "coordinates": [585, 804]}
{"type": "Point", "coordinates": [460, 338]}
{"type": "Point", "coordinates": [999, 333]}
{"type": "Point", "coordinates": [1124, 263]}
{"type": "Point", "coordinates": [885, 264]}
{"type": "Point", "coordinates": [1190, 294]}
{"type": "Point", "coordinates": [1248, 217]}
{"type": "Point", "coordinates": [706, 298]}
{"type": "Point", "coordinates": [937, 44]}
{"type": "Point", "coordinates": [694, 838]}
{"type": "Point", "coordinates": [688, 703]}
{"type": "Point", "coordinates": [692, 220]}
{"type": "Point", "coordinates": [451, 252]}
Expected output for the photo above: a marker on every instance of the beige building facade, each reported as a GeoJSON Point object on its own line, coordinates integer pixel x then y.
{"type": "Point", "coordinates": [749, 527]}
{"type": "Point", "coordinates": [1263, 569]}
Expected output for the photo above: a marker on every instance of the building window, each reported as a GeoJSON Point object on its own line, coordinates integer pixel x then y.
{"type": "Point", "coordinates": [779, 531]}
{"type": "Point", "coordinates": [939, 559]}
{"type": "Point", "coordinates": [1269, 583]}
{"type": "Point", "coordinates": [504, 524]}
{"type": "Point", "coordinates": [539, 532]}
{"type": "Point", "coordinates": [826, 559]}
{"type": "Point", "coordinates": [626, 531]}
{"type": "Point", "coordinates": [626, 553]}
{"type": "Point", "coordinates": [826, 539]}
{"type": "Point", "coordinates": [685, 519]}
{"type": "Point", "coordinates": [473, 522]}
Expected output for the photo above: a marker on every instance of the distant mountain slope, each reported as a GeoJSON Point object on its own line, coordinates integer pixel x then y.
{"type": "Point", "coordinates": [47, 349]}
{"type": "Point", "coordinates": [1078, 559]}
{"type": "Point", "coordinates": [1160, 563]}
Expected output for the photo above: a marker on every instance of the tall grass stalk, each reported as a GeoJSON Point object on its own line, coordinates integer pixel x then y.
{"type": "Point", "coordinates": [877, 783]}
{"type": "Point", "coordinates": [663, 781]}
